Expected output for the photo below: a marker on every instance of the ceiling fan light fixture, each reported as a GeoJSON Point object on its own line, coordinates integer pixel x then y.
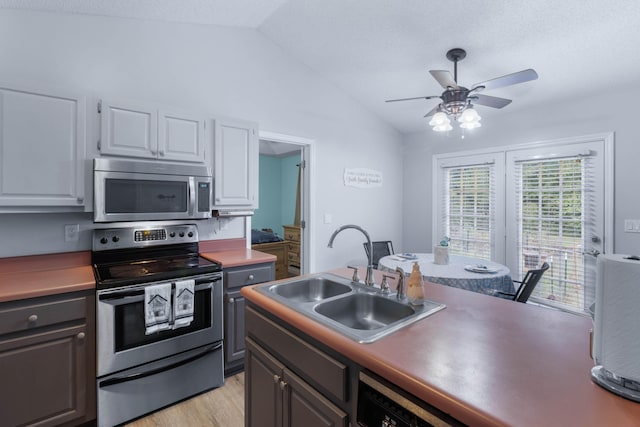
{"type": "Point", "coordinates": [470, 125]}
{"type": "Point", "coordinates": [469, 115]}
{"type": "Point", "coordinates": [443, 128]}
{"type": "Point", "coordinates": [439, 119]}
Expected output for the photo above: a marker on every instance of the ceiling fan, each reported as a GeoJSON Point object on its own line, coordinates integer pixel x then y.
{"type": "Point", "coordinates": [457, 99]}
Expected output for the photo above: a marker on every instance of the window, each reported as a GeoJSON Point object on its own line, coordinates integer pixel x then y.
{"type": "Point", "coordinates": [467, 208]}
{"type": "Point", "coordinates": [467, 211]}
{"type": "Point", "coordinates": [550, 204]}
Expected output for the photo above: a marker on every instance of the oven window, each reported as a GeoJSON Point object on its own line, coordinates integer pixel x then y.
{"type": "Point", "coordinates": [145, 196]}
{"type": "Point", "coordinates": [130, 324]}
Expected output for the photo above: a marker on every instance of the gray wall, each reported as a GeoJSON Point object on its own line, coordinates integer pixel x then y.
{"type": "Point", "coordinates": [219, 71]}
{"type": "Point", "coordinates": [602, 110]}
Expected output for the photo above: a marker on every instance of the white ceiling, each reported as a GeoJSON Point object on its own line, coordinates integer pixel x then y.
{"type": "Point", "coordinates": [382, 49]}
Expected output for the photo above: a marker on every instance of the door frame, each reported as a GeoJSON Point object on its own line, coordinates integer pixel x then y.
{"type": "Point", "coordinates": [307, 202]}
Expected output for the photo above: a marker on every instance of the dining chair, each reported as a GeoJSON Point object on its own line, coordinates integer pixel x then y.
{"type": "Point", "coordinates": [527, 285]}
{"type": "Point", "coordinates": [380, 249]}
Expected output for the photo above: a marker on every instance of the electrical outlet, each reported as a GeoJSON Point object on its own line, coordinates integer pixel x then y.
{"type": "Point", "coordinates": [71, 232]}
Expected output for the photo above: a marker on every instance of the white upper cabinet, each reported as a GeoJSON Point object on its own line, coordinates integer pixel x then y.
{"type": "Point", "coordinates": [181, 136]}
{"type": "Point", "coordinates": [42, 149]}
{"type": "Point", "coordinates": [235, 165]}
{"type": "Point", "coordinates": [137, 130]}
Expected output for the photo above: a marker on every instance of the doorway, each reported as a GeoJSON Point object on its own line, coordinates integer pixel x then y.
{"type": "Point", "coordinates": [285, 202]}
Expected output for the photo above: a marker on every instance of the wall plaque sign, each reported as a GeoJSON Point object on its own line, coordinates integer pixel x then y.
{"type": "Point", "coordinates": [362, 178]}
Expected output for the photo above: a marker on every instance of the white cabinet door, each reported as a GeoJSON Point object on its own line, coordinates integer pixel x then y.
{"type": "Point", "coordinates": [138, 130]}
{"type": "Point", "coordinates": [128, 130]}
{"type": "Point", "coordinates": [235, 173]}
{"type": "Point", "coordinates": [181, 136]}
{"type": "Point", "coordinates": [42, 148]}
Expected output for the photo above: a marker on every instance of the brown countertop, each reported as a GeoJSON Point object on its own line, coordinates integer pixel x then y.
{"type": "Point", "coordinates": [239, 257]}
{"type": "Point", "coordinates": [40, 275]}
{"type": "Point", "coordinates": [485, 361]}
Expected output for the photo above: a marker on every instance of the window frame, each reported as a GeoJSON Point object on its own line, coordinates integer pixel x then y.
{"type": "Point", "coordinates": [546, 149]}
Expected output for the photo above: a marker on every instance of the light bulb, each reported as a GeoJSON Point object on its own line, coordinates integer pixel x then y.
{"type": "Point", "coordinates": [470, 125]}
{"type": "Point", "coordinates": [443, 127]}
{"type": "Point", "coordinates": [469, 116]}
{"type": "Point", "coordinates": [439, 119]}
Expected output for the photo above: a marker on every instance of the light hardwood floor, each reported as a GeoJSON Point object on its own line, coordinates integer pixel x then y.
{"type": "Point", "coordinates": [221, 407]}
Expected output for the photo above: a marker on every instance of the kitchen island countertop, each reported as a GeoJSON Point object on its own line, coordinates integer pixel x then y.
{"type": "Point", "coordinates": [484, 360]}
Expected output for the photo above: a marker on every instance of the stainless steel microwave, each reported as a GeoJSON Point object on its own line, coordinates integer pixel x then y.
{"type": "Point", "coordinates": [126, 190]}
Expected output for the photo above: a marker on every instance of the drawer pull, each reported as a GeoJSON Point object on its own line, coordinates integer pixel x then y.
{"type": "Point", "coordinates": [33, 318]}
{"type": "Point", "coordinates": [80, 335]}
{"type": "Point", "coordinates": [251, 277]}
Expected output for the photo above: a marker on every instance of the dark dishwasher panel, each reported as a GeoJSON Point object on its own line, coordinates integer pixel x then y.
{"type": "Point", "coordinates": [383, 405]}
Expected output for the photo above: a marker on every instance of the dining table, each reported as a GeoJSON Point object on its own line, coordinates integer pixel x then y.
{"type": "Point", "coordinates": [472, 274]}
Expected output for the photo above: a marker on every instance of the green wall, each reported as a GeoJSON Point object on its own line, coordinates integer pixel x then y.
{"type": "Point", "coordinates": [278, 185]}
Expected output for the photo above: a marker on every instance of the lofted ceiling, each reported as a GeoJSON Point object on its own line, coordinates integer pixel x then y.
{"type": "Point", "coordinates": [376, 50]}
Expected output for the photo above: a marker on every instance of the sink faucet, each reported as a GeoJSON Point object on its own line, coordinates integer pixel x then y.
{"type": "Point", "coordinates": [369, 278]}
{"type": "Point", "coordinates": [401, 292]}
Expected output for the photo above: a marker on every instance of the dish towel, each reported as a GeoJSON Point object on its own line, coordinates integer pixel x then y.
{"type": "Point", "coordinates": [157, 303]}
{"type": "Point", "coordinates": [183, 303]}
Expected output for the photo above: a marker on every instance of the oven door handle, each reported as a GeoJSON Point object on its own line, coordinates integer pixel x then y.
{"type": "Point", "coordinates": [136, 293]}
{"type": "Point", "coordinates": [138, 375]}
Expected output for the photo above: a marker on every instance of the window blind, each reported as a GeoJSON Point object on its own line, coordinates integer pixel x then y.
{"type": "Point", "coordinates": [468, 209]}
{"type": "Point", "coordinates": [555, 213]}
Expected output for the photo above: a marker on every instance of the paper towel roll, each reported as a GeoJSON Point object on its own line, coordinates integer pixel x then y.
{"type": "Point", "coordinates": [616, 330]}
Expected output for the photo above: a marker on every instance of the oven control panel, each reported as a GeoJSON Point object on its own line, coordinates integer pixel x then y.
{"type": "Point", "coordinates": [150, 235]}
{"type": "Point", "coordinates": [144, 236]}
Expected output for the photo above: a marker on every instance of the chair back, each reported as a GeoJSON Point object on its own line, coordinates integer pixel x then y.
{"type": "Point", "coordinates": [529, 283]}
{"type": "Point", "coordinates": [380, 249]}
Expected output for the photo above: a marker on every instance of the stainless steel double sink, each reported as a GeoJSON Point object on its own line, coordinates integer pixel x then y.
{"type": "Point", "coordinates": [360, 312]}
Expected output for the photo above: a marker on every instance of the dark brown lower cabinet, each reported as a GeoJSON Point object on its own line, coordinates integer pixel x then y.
{"type": "Point", "coordinates": [275, 396]}
{"type": "Point", "coordinates": [234, 279]}
{"type": "Point", "coordinates": [47, 360]}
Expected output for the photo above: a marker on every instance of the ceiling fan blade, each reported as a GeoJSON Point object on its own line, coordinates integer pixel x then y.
{"type": "Point", "coordinates": [411, 99]}
{"type": "Point", "coordinates": [433, 111]}
{"type": "Point", "coordinates": [445, 78]}
{"type": "Point", "coordinates": [509, 79]}
{"type": "Point", "coordinates": [491, 101]}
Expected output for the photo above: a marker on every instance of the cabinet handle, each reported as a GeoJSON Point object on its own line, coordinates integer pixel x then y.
{"type": "Point", "coordinates": [80, 199]}
{"type": "Point", "coordinates": [283, 385]}
{"type": "Point", "coordinates": [80, 335]}
{"type": "Point", "coordinates": [32, 318]}
{"type": "Point", "coordinates": [161, 152]}
{"type": "Point", "coordinates": [276, 379]}
{"type": "Point", "coordinates": [251, 277]}
{"type": "Point", "coordinates": [231, 300]}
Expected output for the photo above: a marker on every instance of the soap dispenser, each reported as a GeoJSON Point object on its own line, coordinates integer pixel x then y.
{"type": "Point", "coordinates": [415, 288]}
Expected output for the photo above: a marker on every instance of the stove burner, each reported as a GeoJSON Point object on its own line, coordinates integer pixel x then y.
{"type": "Point", "coordinates": [125, 261]}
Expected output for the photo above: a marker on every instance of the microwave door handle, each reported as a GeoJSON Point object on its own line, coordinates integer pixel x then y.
{"type": "Point", "coordinates": [192, 195]}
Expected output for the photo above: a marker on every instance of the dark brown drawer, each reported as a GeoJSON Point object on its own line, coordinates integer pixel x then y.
{"type": "Point", "coordinates": [313, 364]}
{"type": "Point", "coordinates": [250, 275]}
{"type": "Point", "coordinates": [21, 315]}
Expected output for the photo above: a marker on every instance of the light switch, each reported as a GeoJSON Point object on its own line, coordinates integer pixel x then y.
{"type": "Point", "coordinates": [632, 225]}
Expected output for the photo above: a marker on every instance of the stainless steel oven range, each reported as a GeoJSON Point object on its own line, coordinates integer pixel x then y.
{"type": "Point", "coordinates": [159, 319]}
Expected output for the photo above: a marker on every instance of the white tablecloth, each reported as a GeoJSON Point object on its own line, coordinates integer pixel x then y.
{"type": "Point", "coordinates": [454, 273]}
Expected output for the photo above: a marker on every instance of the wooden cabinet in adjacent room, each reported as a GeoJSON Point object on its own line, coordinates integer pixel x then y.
{"type": "Point", "coordinates": [47, 360]}
{"type": "Point", "coordinates": [292, 234]}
